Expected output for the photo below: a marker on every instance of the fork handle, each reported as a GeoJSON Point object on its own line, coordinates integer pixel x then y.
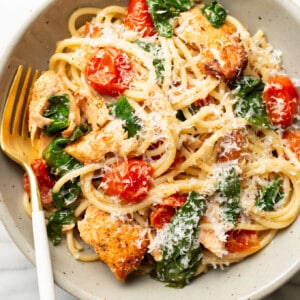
{"type": "Point", "coordinates": [42, 257]}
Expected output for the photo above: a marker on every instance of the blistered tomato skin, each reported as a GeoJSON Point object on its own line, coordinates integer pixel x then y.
{"type": "Point", "coordinates": [293, 141]}
{"type": "Point", "coordinates": [242, 240]}
{"type": "Point", "coordinates": [44, 179]}
{"type": "Point", "coordinates": [163, 212]}
{"type": "Point", "coordinates": [138, 18]}
{"type": "Point", "coordinates": [282, 99]}
{"type": "Point", "coordinates": [109, 71]}
{"type": "Point", "coordinates": [129, 180]}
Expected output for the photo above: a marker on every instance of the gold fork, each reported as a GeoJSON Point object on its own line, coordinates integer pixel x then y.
{"type": "Point", "coordinates": [16, 144]}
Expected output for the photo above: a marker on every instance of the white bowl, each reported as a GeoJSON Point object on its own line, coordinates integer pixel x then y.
{"type": "Point", "coordinates": [253, 278]}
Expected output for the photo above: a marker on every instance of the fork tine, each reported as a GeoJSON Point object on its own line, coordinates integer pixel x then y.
{"type": "Point", "coordinates": [20, 99]}
{"type": "Point", "coordinates": [26, 91]}
{"type": "Point", "coordinates": [7, 120]}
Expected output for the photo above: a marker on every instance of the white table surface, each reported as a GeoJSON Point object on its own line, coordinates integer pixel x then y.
{"type": "Point", "coordinates": [18, 280]}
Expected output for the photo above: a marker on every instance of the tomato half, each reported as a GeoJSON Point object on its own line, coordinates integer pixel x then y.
{"type": "Point", "coordinates": [242, 240]}
{"type": "Point", "coordinates": [109, 71]}
{"type": "Point", "coordinates": [91, 30]}
{"type": "Point", "coordinates": [44, 179]}
{"type": "Point", "coordinates": [129, 180]}
{"type": "Point", "coordinates": [293, 141]}
{"type": "Point", "coordinates": [164, 212]}
{"type": "Point", "coordinates": [281, 99]}
{"type": "Point", "coordinates": [161, 215]}
{"type": "Point", "coordinates": [138, 18]}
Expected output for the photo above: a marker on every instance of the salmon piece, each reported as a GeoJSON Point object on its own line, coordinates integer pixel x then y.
{"type": "Point", "coordinates": [222, 54]}
{"type": "Point", "coordinates": [110, 139]}
{"type": "Point", "coordinates": [47, 85]}
{"type": "Point", "coordinates": [120, 244]}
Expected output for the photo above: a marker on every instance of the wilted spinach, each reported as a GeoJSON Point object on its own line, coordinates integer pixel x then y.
{"type": "Point", "coordinates": [56, 221]}
{"type": "Point", "coordinates": [58, 112]}
{"type": "Point", "coordinates": [229, 188]}
{"type": "Point", "coordinates": [122, 110]}
{"type": "Point", "coordinates": [214, 13]}
{"type": "Point", "coordinates": [249, 104]}
{"type": "Point", "coordinates": [270, 195]}
{"type": "Point", "coordinates": [163, 11]}
{"type": "Point", "coordinates": [61, 163]}
{"type": "Point", "coordinates": [158, 62]}
{"type": "Point", "coordinates": [181, 250]}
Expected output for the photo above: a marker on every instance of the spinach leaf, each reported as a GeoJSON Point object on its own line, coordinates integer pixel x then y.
{"type": "Point", "coordinates": [250, 104]}
{"type": "Point", "coordinates": [181, 250]}
{"type": "Point", "coordinates": [270, 196]}
{"type": "Point", "coordinates": [122, 110]}
{"type": "Point", "coordinates": [61, 163]}
{"type": "Point", "coordinates": [56, 221]}
{"type": "Point", "coordinates": [180, 116]}
{"type": "Point", "coordinates": [158, 63]}
{"type": "Point", "coordinates": [214, 13]}
{"type": "Point", "coordinates": [229, 188]}
{"type": "Point", "coordinates": [163, 11]}
{"type": "Point", "coordinates": [58, 112]}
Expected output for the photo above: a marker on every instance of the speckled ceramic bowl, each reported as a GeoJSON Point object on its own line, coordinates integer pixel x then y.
{"type": "Point", "coordinates": [253, 278]}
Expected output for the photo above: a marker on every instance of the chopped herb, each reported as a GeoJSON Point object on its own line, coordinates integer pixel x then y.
{"type": "Point", "coordinates": [229, 188]}
{"type": "Point", "coordinates": [214, 13]}
{"type": "Point", "coordinates": [249, 104]}
{"type": "Point", "coordinates": [122, 110]}
{"type": "Point", "coordinates": [163, 11]}
{"type": "Point", "coordinates": [270, 195]}
{"type": "Point", "coordinates": [181, 250]}
{"type": "Point", "coordinates": [58, 112]}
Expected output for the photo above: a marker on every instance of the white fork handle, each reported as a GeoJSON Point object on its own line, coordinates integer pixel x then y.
{"type": "Point", "coordinates": [42, 257]}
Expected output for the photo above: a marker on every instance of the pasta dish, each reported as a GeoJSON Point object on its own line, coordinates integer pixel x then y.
{"type": "Point", "coordinates": [166, 139]}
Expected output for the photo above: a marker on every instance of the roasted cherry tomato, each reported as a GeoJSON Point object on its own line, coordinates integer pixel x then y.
{"type": "Point", "coordinates": [202, 102]}
{"type": "Point", "coordinates": [231, 146]}
{"type": "Point", "coordinates": [109, 71]}
{"type": "Point", "coordinates": [242, 240]}
{"type": "Point", "coordinates": [91, 30]}
{"type": "Point", "coordinates": [163, 213]}
{"type": "Point", "coordinates": [175, 200]}
{"type": "Point", "coordinates": [293, 141]}
{"type": "Point", "coordinates": [138, 18]}
{"type": "Point", "coordinates": [44, 179]}
{"type": "Point", "coordinates": [281, 99]}
{"type": "Point", "coordinates": [129, 180]}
